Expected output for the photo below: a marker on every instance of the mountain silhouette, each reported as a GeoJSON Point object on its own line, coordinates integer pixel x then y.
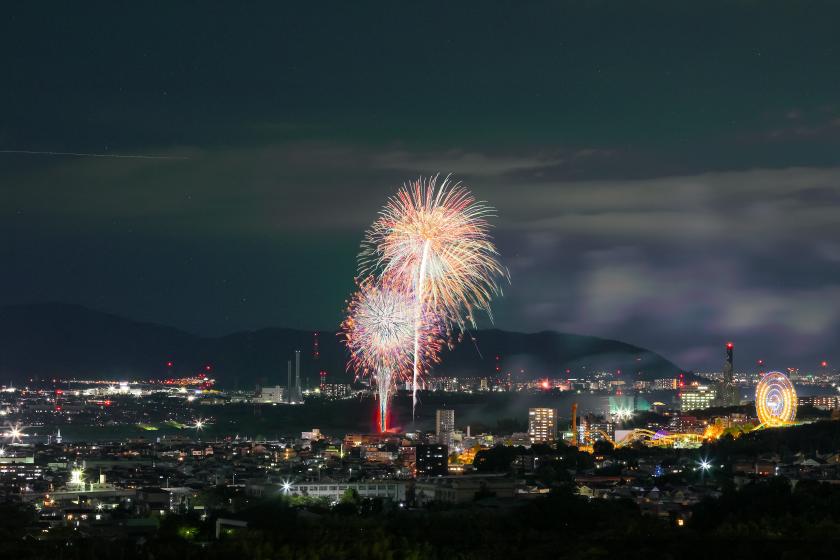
{"type": "Point", "coordinates": [55, 340]}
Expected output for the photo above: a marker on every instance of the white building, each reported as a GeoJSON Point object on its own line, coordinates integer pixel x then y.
{"type": "Point", "coordinates": [271, 395]}
{"type": "Point", "coordinates": [333, 491]}
{"type": "Point", "coordinates": [445, 426]}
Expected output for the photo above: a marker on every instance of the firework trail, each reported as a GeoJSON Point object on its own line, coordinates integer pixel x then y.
{"type": "Point", "coordinates": [380, 331]}
{"type": "Point", "coordinates": [435, 239]}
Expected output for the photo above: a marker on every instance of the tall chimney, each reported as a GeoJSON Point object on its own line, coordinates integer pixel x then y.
{"type": "Point", "coordinates": [728, 364]}
{"type": "Point", "coordinates": [289, 383]}
{"type": "Point", "coordinates": [298, 393]}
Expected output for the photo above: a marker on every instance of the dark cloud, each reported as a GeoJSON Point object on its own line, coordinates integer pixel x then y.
{"type": "Point", "coordinates": [664, 174]}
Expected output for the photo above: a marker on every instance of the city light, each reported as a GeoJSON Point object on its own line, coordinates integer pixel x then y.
{"type": "Point", "coordinates": [76, 476]}
{"type": "Point", "coordinates": [623, 414]}
{"type": "Point", "coordinates": [705, 465]}
{"type": "Point", "coordinates": [287, 486]}
{"type": "Point", "coordinates": [15, 432]}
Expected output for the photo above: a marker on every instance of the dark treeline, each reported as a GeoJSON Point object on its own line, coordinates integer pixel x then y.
{"type": "Point", "coordinates": [767, 519]}
{"type": "Point", "coordinates": [770, 518]}
{"type": "Point", "coordinates": [818, 437]}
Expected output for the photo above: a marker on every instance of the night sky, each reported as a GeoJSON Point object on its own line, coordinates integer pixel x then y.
{"type": "Point", "coordinates": [665, 175]}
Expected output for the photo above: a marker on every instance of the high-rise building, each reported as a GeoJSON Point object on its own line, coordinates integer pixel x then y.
{"type": "Point", "coordinates": [542, 425]}
{"type": "Point", "coordinates": [336, 390]}
{"type": "Point", "coordinates": [432, 460]}
{"type": "Point", "coordinates": [824, 402]}
{"type": "Point", "coordinates": [666, 383]}
{"type": "Point", "coordinates": [594, 429]}
{"type": "Point", "coordinates": [445, 426]}
{"type": "Point", "coordinates": [700, 398]}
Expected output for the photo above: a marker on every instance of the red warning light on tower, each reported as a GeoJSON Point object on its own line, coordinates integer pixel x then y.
{"type": "Point", "coordinates": [316, 349]}
{"type": "Point", "coordinates": [824, 363]}
{"type": "Point", "coordinates": [730, 345]}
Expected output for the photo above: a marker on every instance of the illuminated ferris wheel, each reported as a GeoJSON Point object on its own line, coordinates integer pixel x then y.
{"type": "Point", "coordinates": [775, 400]}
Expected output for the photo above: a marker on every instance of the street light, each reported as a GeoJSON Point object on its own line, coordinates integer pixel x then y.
{"type": "Point", "coordinates": [15, 432]}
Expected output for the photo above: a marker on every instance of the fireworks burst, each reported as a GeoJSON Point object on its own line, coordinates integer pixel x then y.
{"type": "Point", "coordinates": [380, 330]}
{"type": "Point", "coordinates": [435, 239]}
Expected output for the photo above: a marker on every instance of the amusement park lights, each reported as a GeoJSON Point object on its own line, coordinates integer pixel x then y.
{"type": "Point", "coordinates": [775, 400]}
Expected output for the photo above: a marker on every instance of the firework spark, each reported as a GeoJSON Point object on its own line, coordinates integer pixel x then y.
{"type": "Point", "coordinates": [380, 330]}
{"type": "Point", "coordinates": [435, 239]}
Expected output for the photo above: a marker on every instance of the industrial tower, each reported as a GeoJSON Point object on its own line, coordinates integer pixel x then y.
{"type": "Point", "coordinates": [727, 391]}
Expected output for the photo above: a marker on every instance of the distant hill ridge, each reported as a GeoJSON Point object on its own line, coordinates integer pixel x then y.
{"type": "Point", "coordinates": [55, 339]}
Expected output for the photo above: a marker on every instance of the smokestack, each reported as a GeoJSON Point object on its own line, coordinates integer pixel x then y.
{"type": "Point", "coordinates": [298, 393]}
{"type": "Point", "coordinates": [728, 366]}
{"type": "Point", "coordinates": [289, 383]}
{"type": "Point", "coordinates": [574, 424]}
